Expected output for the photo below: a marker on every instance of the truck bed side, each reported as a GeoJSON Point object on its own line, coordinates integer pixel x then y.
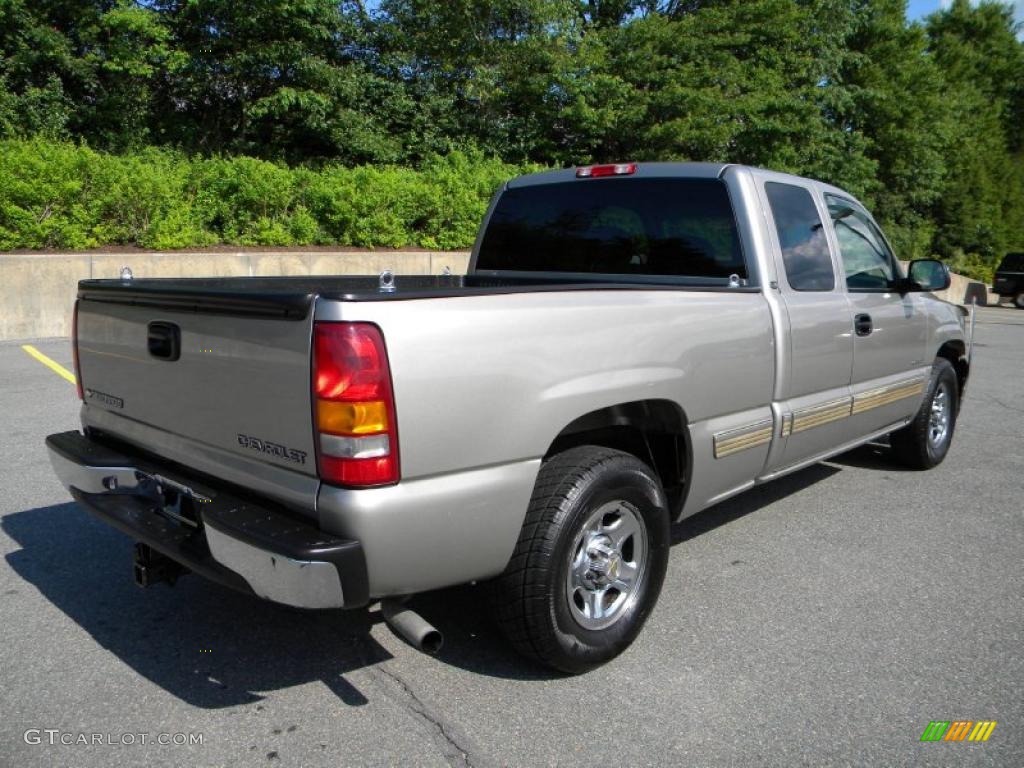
{"type": "Point", "coordinates": [484, 386]}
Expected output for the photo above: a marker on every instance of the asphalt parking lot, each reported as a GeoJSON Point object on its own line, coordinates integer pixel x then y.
{"type": "Point", "coordinates": [824, 619]}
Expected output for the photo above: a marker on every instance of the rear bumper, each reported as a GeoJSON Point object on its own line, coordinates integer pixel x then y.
{"type": "Point", "coordinates": [247, 545]}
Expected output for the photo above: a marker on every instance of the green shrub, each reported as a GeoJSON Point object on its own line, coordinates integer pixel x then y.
{"type": "Point", "coordinates": [46, 198]}
{"type": "Point", "coordinates": [65, 196]}
{"type": "Point", "coordinates": [461, 188]}
{"type": "Point", "coordinates": [972, 265]}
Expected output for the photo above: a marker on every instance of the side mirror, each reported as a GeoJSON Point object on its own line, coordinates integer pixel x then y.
{"type": "Point", "coordinates": [927, 275]}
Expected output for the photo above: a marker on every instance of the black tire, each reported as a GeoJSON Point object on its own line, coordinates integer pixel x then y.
{"type": "Point", "coordinates": [1018, 300]}
{"type": "Point", "coordinates": [531, 599]}
{"type": "Point", "coordinates": [914, 445]}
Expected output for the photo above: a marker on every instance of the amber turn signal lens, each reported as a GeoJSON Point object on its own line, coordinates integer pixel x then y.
{"type": "Point", "coordinates": [341, 418]}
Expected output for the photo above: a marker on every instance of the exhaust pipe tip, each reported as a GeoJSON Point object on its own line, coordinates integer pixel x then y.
{"type": "Point", "coordinates": [411, 627]}
{"type": "Point", "coordinates": [431, 642]}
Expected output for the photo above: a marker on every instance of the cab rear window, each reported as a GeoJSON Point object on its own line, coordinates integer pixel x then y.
{"type": "Point", "coordinates": [658, 227]}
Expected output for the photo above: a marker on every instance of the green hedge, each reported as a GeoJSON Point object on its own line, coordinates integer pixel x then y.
{"type": "Point", "coordinates": [65, 196]}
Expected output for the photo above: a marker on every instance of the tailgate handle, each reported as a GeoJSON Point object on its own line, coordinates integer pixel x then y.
{"type": "Point", "coordinates": [164, 340]}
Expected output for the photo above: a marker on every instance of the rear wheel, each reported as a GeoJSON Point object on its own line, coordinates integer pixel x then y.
{"type": "Point", "coordinates": [1018, 300]}
{"type": "Point", "coordinates": [924, 442]}
{"type": "Point", "coordinates": [590, 560]}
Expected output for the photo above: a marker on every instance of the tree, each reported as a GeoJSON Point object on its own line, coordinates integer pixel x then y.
{"type": "Point", "coordinates": [726, 81]}
{"type": "Point", "coordinates": [488, 72]}
{"type": "Point", "coordinates": [128, 49]}
{"type": "Point", "coordinates": [42, 80]}
{"type": "Point", "coordinates": [979, 214]}
{"type": "Point", "coordinates": [273, 78]}
{"type": "Point", "coordinates": [888, 90]}
{"type": "Point", "coordinates": [84, 67]}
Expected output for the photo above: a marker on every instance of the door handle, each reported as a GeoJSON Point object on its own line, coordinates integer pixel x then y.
{"type": "Point", "coordinates": [862, 325]}
{"type": "Point", "coordinates": [164, 340]}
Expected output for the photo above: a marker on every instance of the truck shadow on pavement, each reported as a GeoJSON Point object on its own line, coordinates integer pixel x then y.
{"type": "Point", "coordinates": [749, 501]}
{"type": "Point", "coordinates": [213, 648]}
{"type": "Point", "coordinates": [873, 455]}
{"type": "Point", "coordinates": [201, 642]}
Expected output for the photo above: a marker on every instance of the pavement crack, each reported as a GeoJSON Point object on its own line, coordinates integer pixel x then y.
{"type": "Point", "coordinates": [454, 745]}
{"type": "Point", "coordinates": [1007, 406]}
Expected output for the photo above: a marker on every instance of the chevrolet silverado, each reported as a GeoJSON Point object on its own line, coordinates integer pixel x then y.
{"type": "Point", "coordinates": [632, 344]}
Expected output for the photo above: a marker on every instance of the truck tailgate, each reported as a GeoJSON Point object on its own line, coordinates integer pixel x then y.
{"type": "Point", "coordinates": [219, 382]}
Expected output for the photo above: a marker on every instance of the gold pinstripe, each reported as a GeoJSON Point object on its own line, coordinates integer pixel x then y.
{"type": "Point", "coordinates": [749, 436]}
{"type": "Point", "coordinates": [876, 398]}
{"type": "Point", "coordinates": [733, 441]}
{"type": "Point", "coordinates": [841, 408]}
{"type": "Point", "coordinates": [815, 416]}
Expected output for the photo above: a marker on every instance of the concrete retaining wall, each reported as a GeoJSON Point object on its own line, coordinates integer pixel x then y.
{"type": "Point", "coordinates": [964, 290]}
{"type": "Point", "coordinates": [37, 291]}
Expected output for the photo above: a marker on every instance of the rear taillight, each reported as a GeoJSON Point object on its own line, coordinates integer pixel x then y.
{"type": "Point", "coordinates": [597, 171]}
{"type": "Point", "coordinates": [354, 406]}
{"type": "Point", "coordinates": [74, 352]}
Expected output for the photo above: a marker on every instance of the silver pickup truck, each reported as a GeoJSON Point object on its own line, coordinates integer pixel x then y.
{"type": "Point", "coordinates": [632, 344]}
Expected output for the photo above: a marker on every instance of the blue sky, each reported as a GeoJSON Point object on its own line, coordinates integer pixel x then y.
{"type": "Point", "coordinates": [917, 9]}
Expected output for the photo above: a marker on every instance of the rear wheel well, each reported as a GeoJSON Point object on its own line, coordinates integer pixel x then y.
{"type": "Point", "coordinates": [652, 430]}
{"type": "Point", "coordinates": [956, 353]}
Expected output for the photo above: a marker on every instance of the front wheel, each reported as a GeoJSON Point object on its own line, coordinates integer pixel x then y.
{"type": "Point", "coordinates": [925, 441]}
{"type": "Point", "coordinates": [1018, 300]}
{"type": "Point", "coordinates": [590, 560]}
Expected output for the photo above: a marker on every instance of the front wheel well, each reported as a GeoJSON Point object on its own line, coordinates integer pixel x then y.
{"type": "Point", "coordinates": [956, 353]}
{"type": "Point", "coordinates": [652, 430]}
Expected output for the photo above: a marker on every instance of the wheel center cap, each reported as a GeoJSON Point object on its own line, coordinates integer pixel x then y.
{"type": "Point", "coordinates": [605, 563]}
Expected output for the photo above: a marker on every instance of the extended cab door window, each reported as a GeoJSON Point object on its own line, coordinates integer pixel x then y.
{"type": "Point", "coordinates": [820, 354]}
{"type": "Point", "coordinates": [802, 239]}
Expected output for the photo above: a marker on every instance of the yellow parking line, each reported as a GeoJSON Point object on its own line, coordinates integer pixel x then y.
{"type": "Point", "coordinates": [53, 365]}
